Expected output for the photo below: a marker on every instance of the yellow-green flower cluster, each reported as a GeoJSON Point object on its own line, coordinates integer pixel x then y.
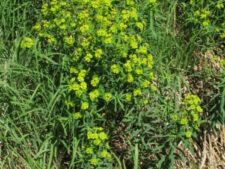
{"type": "Point", "coordinates": [98, 148]}
{"type": "Point", "coordinates": [203, 16]}
{"type": "Point", "coordinates": [27, 42]}
{"type": "Point", "coordinates": [221, 30]}
{"type": "Point", "coordinates": [105, 43]}
{"type": "Point", "coordinates": [189, 116]}
{"type": "Point", "coordinates": [208, 15]}
{"type": "Point", "coordinates": [57, 23]}
{"type": "Point", "coordinates": [106, 54]}
{"type": "Point", "coordinates": [153, 2]}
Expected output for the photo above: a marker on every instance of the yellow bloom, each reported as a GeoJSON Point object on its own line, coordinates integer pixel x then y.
{"type": "Point", "coordinates": [27, 42]}
{"type": "Point", "coordinates": [139, 71]}
{"type": "Point", "coordinates": [89, 150]}
{"type": "Point", "coordinates": [197, 13]}
{"type": "Point", "coordinates": [45, 23]}
{"type": "Point", "coordinates": [73, 24]}
{"type": "Point", "coordinates": [62, 27]}
{"type": "Point", "coordinates": [44, 9]}
{"type": "Point", "coordinates": [130, 2]}
{"type": "Point", "coordinates": [142, 50]}
{"type": "Point", "coordinates": [184, 121]}
{"type": "Point", "coordinates": [85, 43]}
{"type": "Point", "coordinates": [115, 69]}
{"type": "Point", "coordinates": [95, 4]}
{"type": "Point", "coordinates": [139, 25]}
{"type": "Point", "coordinates": [95, 81]}
{"type": "Point", "coordinates": [105, 154]}
{"type": "Point", "coordinates": [83, 85]}
{"type": "Point", "coordinates": [205, 23]}
{"type": "Point", "coordinates": [84, 105]}
{"type": "Point", "coordinates": [107, 2]}
{"type": "Point", "coordinates": [98, 53]}
{"type": "Point", "coordinates": [83, 15]}
{"type": "Point", "coordinates": [77, 115]}
{"type": "Point", "coordinates": [81, 75]}
{"type": "Point", "coordinates": [69, 40]}
{"type": "Point", "coordinates": [188, 134]}
{"type": "Point", "coordinates": [146, 83]}
{"type": "Point", "coordinates": [54, 9]}
{"type": "Point", "coordinates": [154, 87]}
{"type": "Point", "coordinates": [84, 28]}
{"type": "Point", "coordinates": [150, 58]}
{"type": "Point", "coordinates": [51, 40]}
{"type": "Point", "coordinates": [83, 72]}
{"type": "Point", "coordinates": [97, 142]}
{"type": "Point", "coordinates": [74, 87]}
{"type": "Point", "coordinates": [107, 97]}
{"type": "Point", "coordinates": [128, 66]}
{"type": "Point", "coordinates": [63, 3]}
{"type": "Point", "coordinates": [122, 26]}
{"type": "Point", "coordinates": [125, 15]}
{"type": "Point", "coordinates": [222, 35]}
{"type": "Point", "coordinates": [130, 78]}
{"type": "Point", "coordinates": [205, 13]}
{"type": "Point", "coordinates": [113, 29]}
{"type": "Point", "coordinates": [92, 135]}
{"type": "Point", "coordinates": [137, 92]}
{"type": "Point", "coordinates": [151, 75]}
{"type": "Point", "coordinates": [67, 14]}
{"type": "Point", "coordinates": [69, 103]}
{"type": "Point", "coordinates": [152, 2]}
{"type": "Point", "coordinates": [174, 117]}
{"type": "Point", "coordinates": [73, 70]}
{"type": "Point", "coordinates": [101, 33]}
{"type": "Point", "coordinates": [99, 18]}
{"type": "Point", "coordinates": [80, 78]}
{"type": "Point", "coordinates": [195, 116]}
{"type": "Point", "coordinates": [133, 44]}
{"type": "Point", "coordinates": [103, 136]}
{"type": "Point", "coordinates": [128, 97]}
{"type": "Point", "coordinates": [108, 39]}
{"type": "Point", "coordinates": [133, 14]}
{"type": "Point", "coordinates": [94, 95]}
{"type": "Point", "coordinates": [88, 57]}
{"type": "Point", "coordinates": [37, 27]}
{"type": "Point", "coordinates": [79, 93]}
{"type": "Point", "coordinates": [220, 5]}
{"type": "Point", "coordinates": [94, 161]}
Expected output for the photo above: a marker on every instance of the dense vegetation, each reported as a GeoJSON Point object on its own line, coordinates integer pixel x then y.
{"type": "Point", "coordinates": [109, 83]}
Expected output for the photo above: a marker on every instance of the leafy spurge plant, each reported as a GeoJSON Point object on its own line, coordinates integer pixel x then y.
{"type": "Point", "coordinates": [108, 60]}
{"type": "Point", "coordinates": [188, 118]}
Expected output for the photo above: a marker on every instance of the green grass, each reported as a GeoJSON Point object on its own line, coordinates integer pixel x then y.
{"type": "Point", "coordinates": [34, 132]}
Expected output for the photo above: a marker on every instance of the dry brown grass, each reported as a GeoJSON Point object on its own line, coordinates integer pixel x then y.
{"type": "Point", "coordinates": [208, 154]}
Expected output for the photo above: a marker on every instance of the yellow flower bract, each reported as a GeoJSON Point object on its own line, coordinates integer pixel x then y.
{"type": "Point", "coordinates": [27, 42]}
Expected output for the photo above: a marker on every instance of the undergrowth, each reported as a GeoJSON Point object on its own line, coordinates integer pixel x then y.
{"type": "Point", "coordinates": [108, 83]}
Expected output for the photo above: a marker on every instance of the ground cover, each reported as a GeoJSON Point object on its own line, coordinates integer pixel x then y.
{"type": "Point", "coordinates": [112, 84]}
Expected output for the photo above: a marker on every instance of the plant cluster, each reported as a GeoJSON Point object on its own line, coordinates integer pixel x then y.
{"type": "Point", "coordinates": [98, 150]}
{"type": "Point", "coordinates": [207, 16]}
{"type": "Point", "coordinates": [107, 60]}
{"type": "Point", "coordinates": [81, 87]}
{"type": "Point", "coordinates": [189, 116]}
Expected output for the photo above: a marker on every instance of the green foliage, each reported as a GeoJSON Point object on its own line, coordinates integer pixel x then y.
{"type": "Point", "coordinates": [80, 87]}
{"type": "Point", "coordinates": [105, 55]}
{"type": "Point", "coordinates": [205, 18]}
